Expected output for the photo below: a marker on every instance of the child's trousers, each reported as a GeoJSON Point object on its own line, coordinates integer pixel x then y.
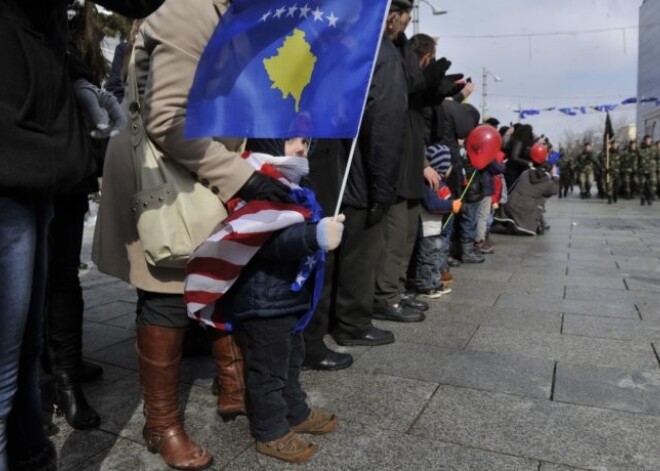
{"type": "Point", "coordinates": [274, 357]}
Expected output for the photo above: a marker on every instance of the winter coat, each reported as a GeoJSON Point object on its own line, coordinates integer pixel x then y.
{"type": "Point", "coordinates": [375, 170]}
{"type": "Point", "coordinates": [263, 288]}
{"type": "Point", "coordinates": [526, 200]}
{"type": "Point", "coordinates": [167, 52]}
{"type": "Point", "coordinates": [41, 128]}
{"type": "Point", "coordinates": [434, 206]}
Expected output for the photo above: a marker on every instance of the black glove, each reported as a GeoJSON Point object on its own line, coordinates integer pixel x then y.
{"type": "Point", "coordinates": [262, 187]}
{"type": "Point", "coordinates": [376, 214]}
{"type": "Point", "coordinates": [448, 87]}
{"type": "Point", "coordinates": [435, 71]}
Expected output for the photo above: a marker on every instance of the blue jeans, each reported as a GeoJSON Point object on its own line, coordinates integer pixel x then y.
{"type": "Point", "coordinates": [468, 222]}
{"type": "Point", "coordinates": [428, 263]}
{"type": "Point", "coordinates": [23, 241]}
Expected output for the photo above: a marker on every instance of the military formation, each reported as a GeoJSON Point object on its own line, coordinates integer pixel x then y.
{"type": "Point", "coordinates": [631, 172]}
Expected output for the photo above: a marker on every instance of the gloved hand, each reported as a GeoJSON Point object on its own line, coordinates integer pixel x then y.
{"type": "Point", "coordinates": [456, 206]}
{"type": "Point", "coordinates": [376, 214]}
{"type": "Point", "coordinates": [435, 71]}
{"type": "Point", "coordinates": [101, 108]}
{"type": "Point", "coordinates": [262, 187]}
{"type": "Point", "coordinates": [329, 231]}
{"type": "Point", "coordinates": [447, 85]}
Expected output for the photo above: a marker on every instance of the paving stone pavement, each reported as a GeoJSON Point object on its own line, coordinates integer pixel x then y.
{"type": "Point", "coordinates": [544, 358]}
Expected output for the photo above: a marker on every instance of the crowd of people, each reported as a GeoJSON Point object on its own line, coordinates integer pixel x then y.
{"type": "Point", "coordinates": [631, 172]}
{"type": "Point", "coordinates": [428, 184]}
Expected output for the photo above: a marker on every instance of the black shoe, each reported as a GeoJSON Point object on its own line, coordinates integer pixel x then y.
{"type": "Point", "coordinates": [70, 402]}
{"type": "Point", "coordinates": [411, 301]}
{"type": "Point", "coordinates": [452, 262]}
{"type": "Point", "coordinates": [371, 338]}
{"type": "Point", "coordinates": [333, 361]}
{"type": "Point", "coordinates": [398, 313]}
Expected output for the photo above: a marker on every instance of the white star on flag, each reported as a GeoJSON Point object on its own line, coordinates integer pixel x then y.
{"type": "Point", "coordinates": [300, 278]}
{"type": "Point", "coordinates": [265, 17]}
{"type": "Point", "coordinates": [292, 10]}
{"type": "Point", "coordinates": [279, 12]}
{"type": "Point", "coordinates": [310, 262]}
{"type": "Point", "coordinates": [332, 19]}
{"type": "Point", "coordinates": [318, 14]}
{"type": "Point", "coordinates": [304, 11]}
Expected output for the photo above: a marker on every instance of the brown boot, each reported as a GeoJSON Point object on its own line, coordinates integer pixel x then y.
{"type": "Point", "coordinates": [446, 277]}
{"type": "Point", "coordinates": [230, 364]}
{"type": "Point", "coordinates": [159, 354]}
{"type": "Point", "coordinates": [317, 423]}
{"type": "Point", "coordinates": [291, 447]}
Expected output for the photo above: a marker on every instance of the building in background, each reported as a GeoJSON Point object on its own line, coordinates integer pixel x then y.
{"type": "Point", "coordinates": [648, 74]}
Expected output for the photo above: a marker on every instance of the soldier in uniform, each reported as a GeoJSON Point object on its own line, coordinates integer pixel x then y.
{"type": "Point", "coordinates": [565, 166]}
{"type": "Point", "coordinates": [613, 172]}
{"type": "Point", "coordinates": [647, 171]}
{"type": "Point", "coordinates": [586, 164]}
{"type": "Point", "coordinates": [629, 168]}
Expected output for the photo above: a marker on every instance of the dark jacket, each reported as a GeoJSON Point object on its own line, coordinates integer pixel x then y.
{"type": "Point", "coordinates": [41, 129]}
{"type": "Point", "coordinates": [453, 123]}
{"type": "Point", "coordinates": [115, 83]}
{"type": "Point", "coordinates": [263, 288]}
{"type": "Point", "coordinates": [375, 170]}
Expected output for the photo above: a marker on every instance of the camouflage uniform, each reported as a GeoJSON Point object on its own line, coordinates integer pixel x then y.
{"type": "Point", "coordinates": [586, 164]}
{"type": "Point", "coordinates": [565, 166]}
{"type": "Point", "coordinates": [629, 170]}
{"type": "Point", "coordinates": [613, 174]}
{"type": "Point", "coordinates": [657, 168]}
{"type": "Point", "coordinates": [646, 172]}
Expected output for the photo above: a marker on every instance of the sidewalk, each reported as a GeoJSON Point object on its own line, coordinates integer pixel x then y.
{"type": "Point", "coordinates": [542, 359]}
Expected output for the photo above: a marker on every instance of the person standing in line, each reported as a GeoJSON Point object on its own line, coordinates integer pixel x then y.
{"type": "Point", "coordinates": [371, 189]}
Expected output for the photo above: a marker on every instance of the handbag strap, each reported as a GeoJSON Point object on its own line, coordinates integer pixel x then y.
{"type": "Point", "coordinates": [136, 125]}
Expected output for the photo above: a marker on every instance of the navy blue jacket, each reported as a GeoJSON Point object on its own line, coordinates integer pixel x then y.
{"type": "Point", "coordinates": [263, 288]}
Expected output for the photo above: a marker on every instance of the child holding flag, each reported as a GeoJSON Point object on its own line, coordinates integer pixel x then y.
{"type": "Point", "coordinates": [271, 295]}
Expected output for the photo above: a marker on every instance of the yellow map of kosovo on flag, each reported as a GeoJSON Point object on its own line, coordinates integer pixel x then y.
{"type": "Point", "coordinates": [291, 69]}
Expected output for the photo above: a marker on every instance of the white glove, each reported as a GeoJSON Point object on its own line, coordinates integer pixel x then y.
{"type": "Point", "coordinates": [329, 231]}
{"type": "Point", "coordinates": [101, 108]}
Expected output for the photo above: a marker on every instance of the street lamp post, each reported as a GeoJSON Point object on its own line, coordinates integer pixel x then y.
{"type": "Point", "coordinates": [484, 89]}
{"type": "Point", "coordinates": [415, 13]}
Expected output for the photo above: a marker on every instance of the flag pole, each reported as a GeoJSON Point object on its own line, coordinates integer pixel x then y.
{"type": "Point", "coordinates": [460, 199]}
{"type": "Point", "coordinates": [364, 104]}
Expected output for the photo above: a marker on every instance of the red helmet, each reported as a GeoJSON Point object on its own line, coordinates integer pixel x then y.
{"type": "Point", "coordinates": [538, 153]}
{"type": "Point", "coordinates": [482, 145]}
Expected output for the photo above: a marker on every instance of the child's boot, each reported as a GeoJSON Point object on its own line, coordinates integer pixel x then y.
{"type": "Point", "coordinates": [317, 423]}
{"type": "Point", "coordinates": [291, 448]}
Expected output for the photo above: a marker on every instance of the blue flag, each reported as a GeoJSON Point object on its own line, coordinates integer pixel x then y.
{"type": "Point", "coordinates": [286, 68]}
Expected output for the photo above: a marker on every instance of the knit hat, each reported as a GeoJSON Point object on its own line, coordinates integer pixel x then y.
{"type": "Point", "coordinates": [401, 5]}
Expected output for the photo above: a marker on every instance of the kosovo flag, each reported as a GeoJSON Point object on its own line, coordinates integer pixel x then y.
{"type": "Point", "coordinates": [286, 68]}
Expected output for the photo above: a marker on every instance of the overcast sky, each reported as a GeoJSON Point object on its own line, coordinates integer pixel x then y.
{"type": "Point", "coordinates": [561, 70]}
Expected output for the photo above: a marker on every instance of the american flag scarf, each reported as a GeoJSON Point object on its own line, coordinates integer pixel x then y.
{"type": "Point", "coordinates": [217, 263]}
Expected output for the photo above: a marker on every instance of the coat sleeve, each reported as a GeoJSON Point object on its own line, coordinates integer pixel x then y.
{"type": "Point", "coordinates": [291, 244]}
{"type": "Point", "coordinates": [131, 8]}
{"type": "Point", "coordinates": [384, 126]}
{"type": "Point", "coordinates": [167, 52]}
{"type": "Point", "coordinates": [434, 204]}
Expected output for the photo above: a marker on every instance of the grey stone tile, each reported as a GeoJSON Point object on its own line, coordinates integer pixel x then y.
{"type": "Point", "coordinates": [481, 370]}
{"type": "Point", "coordinates": [100, 336]}
{"type": "Point", "coordinates": [367, 397]}
{"type": "Point", "coordinates": [611, 328]}
{"type": "Point", "coordinates": [466, 294]}
{"type": "Point", "coordinates": [590, 308]}
{"type": "Point", "coordinates": [558, 467]}
{"type": "Point", "coordinates": [75, 447]}
{"type": "Point", "coordinates": [643, 283]}
{"type": "Point", "coordinates": [435, 330]}
{"type": "Point", "coordinates": [107, 311]}
{"type": "Point", "coordinates": [127, 321]}
{"type": "Point", "coordinates": [605, 352]}
{"type": "Point", "coordinates": [353, 446]}
{"type": "Point", "coordinates": [526, 320]}
{"type": "Point", "coordinates": [110, 375]}
{"type": "Point", "coordinates": [573, 435]}
{"type": "Point", "coordinates": [123, 455]}
{"type": "Point", "coordinates": [464, 274]}
{"type": "Point", "coordinates": [120, 354]}
{"type": "Point", "coordinates": [609, 388]}
{"type": "Point", "coordinates": [99, 297]}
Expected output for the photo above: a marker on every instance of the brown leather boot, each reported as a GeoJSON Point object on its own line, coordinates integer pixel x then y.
{"type": "Point", "coordinates": [159, 353]}
{"type": "Point", "coordinates": [230, 363]}
{"type": "Point", "coordinates": [291, 447]}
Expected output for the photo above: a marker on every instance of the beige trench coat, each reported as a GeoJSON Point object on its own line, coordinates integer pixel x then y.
{"type": "Point", "coordinates": [167, 51]}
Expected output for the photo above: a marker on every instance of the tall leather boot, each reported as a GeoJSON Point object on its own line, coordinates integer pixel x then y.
{"type": "Point", "coordinates": [63, 341]}
{"type": "Point", "coordinates": [227, 350]}
{"type": "Point", "coordinates": [159, 353]}
{"type": "Point", "coordinates": [469, 254]}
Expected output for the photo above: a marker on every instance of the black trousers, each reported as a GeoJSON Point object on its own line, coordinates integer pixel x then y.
{"type": "Point", "coordinates": [274, 356]}
{"type": "Point", "coordinates": [63, 318]}
{"type": "Point", "coordinates": [356, 260]}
